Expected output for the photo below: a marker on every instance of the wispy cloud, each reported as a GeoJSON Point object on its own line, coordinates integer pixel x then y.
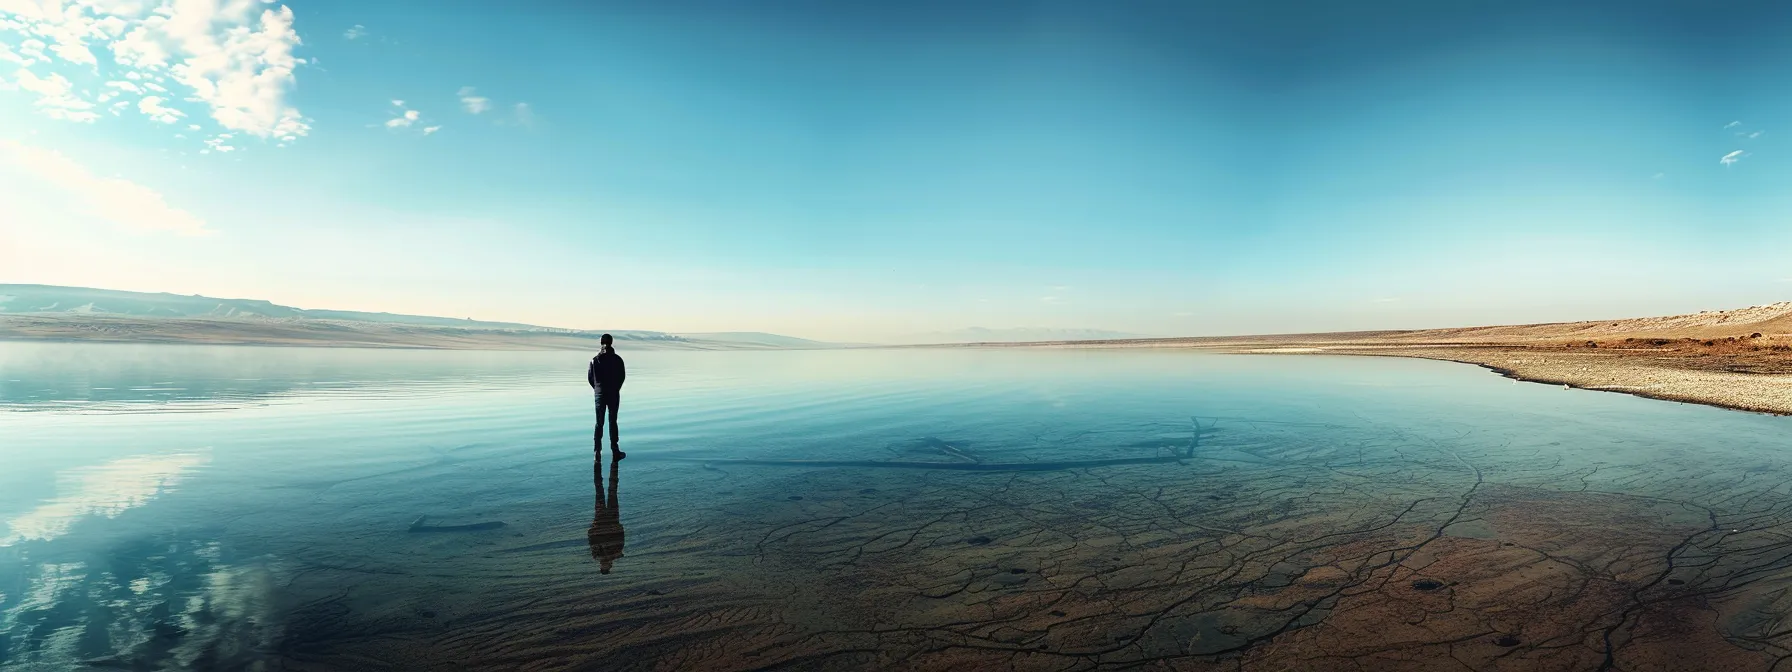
{"type": "Point", "coordinates": [10, 56]}
{"type": "Point", "coordinates": [1732, 157]}
{"type": "Point", "coordinates": [120, 201]}
{"type": "Point", "coordinates": [1732, 124]}
{"type": "Point", "coordinates": [1048, 299]}
{"type": "Point", "coordinates": [405, 117]}
{"type": "Point", "coordinates": [525, 115]}
{"type": "Point", "coordinates": [152, 107]}
{"type": "Point", "coordinates": [56, 97]}
{"type": "Point", "coordinates": [1753, 135]}
{"type": "Point", "coordinates": [404, 120]}
{"type": "Point", "coordinates": [427, 130]}
{"type": "Point", "coordinates": [473, 103]}
{"type": "Point", "coordinates": [236, 58]}
{"type": "Point", "coordinates": [219, 144]}
{"type": "Point", "coordinates": [355, 32]}
{"type": "Point", "coordinates": [1658, 176]}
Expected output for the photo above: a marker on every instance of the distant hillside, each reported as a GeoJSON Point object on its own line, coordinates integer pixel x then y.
{"type": "Point", "coordinates": [47, 312]}
{"type": "Point", "coordinates": [53, 299]}
{"type": "Point", "coordinates": [757, 338]}
{"type": "Point", "coordinates": [1016, 335]}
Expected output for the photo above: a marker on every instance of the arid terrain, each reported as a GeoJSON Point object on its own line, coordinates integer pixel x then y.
{"type": "Point", "coordinates": [1738, 359]}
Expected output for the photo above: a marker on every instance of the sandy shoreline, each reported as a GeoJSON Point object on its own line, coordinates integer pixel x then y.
{"type": "Point", "coordinates": [1739, 359]}
{"type": "Point", "coordinates": [1763, 393]}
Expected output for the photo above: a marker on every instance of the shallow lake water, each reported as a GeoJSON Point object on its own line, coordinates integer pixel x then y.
{"type": "Point", "coordinates": [285, 508]}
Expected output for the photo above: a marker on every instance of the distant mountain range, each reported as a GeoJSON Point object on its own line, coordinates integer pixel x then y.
{"type": "Point", "coordinates": [84, 313]}
{"type": "Point", "coordinates": [756, 338]}
{"type": "Point", "coordinates": [75, 302]}
{"type": "Point", "coordinates": [54, 299]}
{"type": "Point", "coordinates": [1016, 335]}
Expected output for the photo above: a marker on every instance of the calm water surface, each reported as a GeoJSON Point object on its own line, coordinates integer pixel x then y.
{"type": "Point", "coordinates": [218, 507]}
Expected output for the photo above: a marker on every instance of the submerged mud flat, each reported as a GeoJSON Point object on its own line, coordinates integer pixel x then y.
{"type": "Point", "coordinates": [1098, 512]}
{"type": "Point", "coordinates": [1271, 546]}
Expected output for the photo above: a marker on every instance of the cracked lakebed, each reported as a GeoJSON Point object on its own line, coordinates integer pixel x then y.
{"type": "Point", "coordinates": [1047, 510]}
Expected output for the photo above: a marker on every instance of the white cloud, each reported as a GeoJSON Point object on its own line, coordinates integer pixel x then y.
{"type": "Point", "coordinates": [127, 86]}
{"type": "Point", "coordinates": [10, 56]}
{"type": "Point", "coordinates": [525, 115]}
{"type": "Point", "coordinates": [153, 108]}
{"type": "Point", "coordinates": [474, 104]}
{"type": "Point", "coordinates": [1753, 135]}
{"type": "Point", "coordinates": [1732, 124]}
{"type": "Point", "coordinates": [33, 49]}
{"type": "Point", "coordinates": [1732, 157]}
{"type": "Point", "coordinates": [122, 202]}
{"type": "Point", "coordinates": [410, 117]}
{"type": "Point", "coordinates": [431, 129]}
{"type": "Point", "coordinates": [112, 26]}
{"type": "Point", "coordinates": [56, 96]}
{"type": "Point", "coordinates": [398, 103]}
{"type": "Point", "coordinates": [1658, 176]}
{"type": "Point", "coordinates": [235, 56]}
{"type": "Point", "coordinates": [355, 32]}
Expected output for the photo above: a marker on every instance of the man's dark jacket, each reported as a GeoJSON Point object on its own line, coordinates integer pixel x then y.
{"type": "Point", "coordinates": [606, 373]}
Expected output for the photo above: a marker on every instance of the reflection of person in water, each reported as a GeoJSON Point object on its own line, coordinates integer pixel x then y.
{"type": "Point", "coordinates": [605, 534]}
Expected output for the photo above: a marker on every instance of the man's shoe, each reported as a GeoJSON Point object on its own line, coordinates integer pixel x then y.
{"type": "Point", "coordinates": [617, 452]}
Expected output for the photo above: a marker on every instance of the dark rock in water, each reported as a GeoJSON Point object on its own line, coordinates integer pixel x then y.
{"type": "Point", "coordinates": [978, 541]}
{"type": "Point", "coordinates": [1506, 640]}
{"type": "Point", "coordinates": [1017, 570]}
{"type": "Point", "coordinates": [1676, 582]}
{"type": "Point", "coordinates": [1427, 584]}
{"type": "Point", "coordinates": [796, 498]}
{"type": "Point", "coordinates": [1055, 612]}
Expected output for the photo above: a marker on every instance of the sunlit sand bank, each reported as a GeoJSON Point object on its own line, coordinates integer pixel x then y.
{"type": "Point", "coordinates": [1739, 359]}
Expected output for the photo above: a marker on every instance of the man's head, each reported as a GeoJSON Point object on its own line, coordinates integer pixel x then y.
{"type": "Point", "coordinates": [606, 341]}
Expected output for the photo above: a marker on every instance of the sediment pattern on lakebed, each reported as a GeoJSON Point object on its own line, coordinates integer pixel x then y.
{"type": "Point", "coordinates": [1270, 546]}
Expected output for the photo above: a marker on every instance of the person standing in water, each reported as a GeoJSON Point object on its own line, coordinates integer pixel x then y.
{"type": "Point", "coordinates": [605, 376]}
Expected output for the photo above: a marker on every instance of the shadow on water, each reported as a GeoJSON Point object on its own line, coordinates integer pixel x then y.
{"type": "Point", "coordinates": [973, 463]}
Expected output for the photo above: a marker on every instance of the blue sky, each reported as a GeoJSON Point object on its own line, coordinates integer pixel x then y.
{"type": "Point", "coordinates": [861, 171]}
